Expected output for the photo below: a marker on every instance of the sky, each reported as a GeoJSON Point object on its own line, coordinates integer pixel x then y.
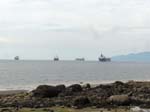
{"type": "Point", "coordinates": [41, 29]}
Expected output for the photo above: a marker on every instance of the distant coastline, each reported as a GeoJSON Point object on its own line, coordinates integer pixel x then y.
{"type": "Point", "coordinates": [133, 57]}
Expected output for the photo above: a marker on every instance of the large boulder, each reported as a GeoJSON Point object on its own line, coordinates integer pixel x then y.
{"type": "Point", "coordinates": [46, 91]}
{"type": "Point", "coordinates": [71, 90]}
{"type": "Point", "coordinates": [81, 102]}
{"type": "Point", "coordinates": [75, 88]}
{"type": "Point", "coordinates": [119, 99]}
{"type": "Point", "coordinates": [117, 83]}
{"type": "Point", "coordinates": [61, 88]}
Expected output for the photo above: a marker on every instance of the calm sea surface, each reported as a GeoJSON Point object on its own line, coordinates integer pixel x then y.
{"type": "Point", "coordinates": [29, 74]}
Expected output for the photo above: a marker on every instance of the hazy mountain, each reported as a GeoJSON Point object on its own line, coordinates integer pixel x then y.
{"type": "Point", "coordinates": [143, 56]}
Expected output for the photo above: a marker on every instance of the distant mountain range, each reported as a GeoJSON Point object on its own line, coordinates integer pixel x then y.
{"type": "Point", "coordinates": [143, 56]}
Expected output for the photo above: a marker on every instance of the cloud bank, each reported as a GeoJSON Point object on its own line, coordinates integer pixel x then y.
{"type": "Point", "coordinates": [40, 29]}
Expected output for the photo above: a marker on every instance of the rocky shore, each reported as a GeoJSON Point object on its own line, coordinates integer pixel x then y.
{"type": "Point", "coordinates": [132, 93]}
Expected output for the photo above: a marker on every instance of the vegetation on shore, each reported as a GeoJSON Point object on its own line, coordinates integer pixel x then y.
{"type": "Point", "coordinates": [65, 109]}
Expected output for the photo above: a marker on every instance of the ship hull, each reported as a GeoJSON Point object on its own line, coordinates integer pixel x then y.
{"type": "Point", "coordinates": [56, 59]}
{"type": "Point", "coordinates": [104, 59]}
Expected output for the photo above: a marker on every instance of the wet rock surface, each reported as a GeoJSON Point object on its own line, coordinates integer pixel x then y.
{"type": "Point", "coordinates": [131, 93]}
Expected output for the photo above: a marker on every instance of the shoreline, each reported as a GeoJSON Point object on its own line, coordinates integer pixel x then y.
{"type": "Point", "coordinates": [66, 83]}
{"type": "Point", "coordinates": [108, 95]}
{"type": "Point", "coordinates": [29, 88]}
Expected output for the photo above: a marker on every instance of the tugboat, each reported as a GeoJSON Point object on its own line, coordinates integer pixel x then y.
{"type": "Point", "coordinates": [102, 58]}
{"type": "Point", "coordinates": [56, 58]}
{"type": "Point", "coordinates": [16, 58]}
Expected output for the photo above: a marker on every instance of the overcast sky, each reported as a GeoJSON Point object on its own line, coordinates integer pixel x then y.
{"type": "Point", "coordinates": [41, 29]}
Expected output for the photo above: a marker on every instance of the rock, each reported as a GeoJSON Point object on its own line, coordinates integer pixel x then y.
{"type": "Point", "coordinates": [75, 88]}
{"type": "Point", "coordinates": [71, 90]}
{"type": "Point", "coordinates": [61, 88]}
{"type": "Point", "coordinates": [118, 83]}
{"type": "Point", "coordinates": [87, 86]}
{"type": "Point", "coordinates": [46, 91]}
{"type": "Point", "coordinates": [138, 109]}
{"type": "Point", "coordinates": [119, 99]}
{"type": "Point", "coordinates": [81, 102]}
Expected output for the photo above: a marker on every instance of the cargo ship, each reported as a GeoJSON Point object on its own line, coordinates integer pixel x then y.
{"type": "Point", "coordinates": [16, 58]}
{"type": "Point", "coordinates": [56, 58]}
{"type": "Point", "coordinates": [80, 59]}
{"type": "Point", "coordinates": [102, 58]}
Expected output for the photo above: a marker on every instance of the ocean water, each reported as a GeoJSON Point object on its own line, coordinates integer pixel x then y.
{"type": "Point", "coordinates": [30, 74]}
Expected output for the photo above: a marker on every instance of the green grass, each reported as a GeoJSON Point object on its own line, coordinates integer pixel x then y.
{"type": "Point", "coordinates": [59, 109]}
{"type": "Point", "coordinates": [31, 110]}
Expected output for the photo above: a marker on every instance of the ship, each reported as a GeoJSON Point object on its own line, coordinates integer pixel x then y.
{"type": "Point", "coordinates": [56, 58]}
{"type": "Point", "coordinates": [16, 58]}
{"type": "Point", "coordinates": [102, 58]}
{"type": "Point", "coordinates": [80, 59]}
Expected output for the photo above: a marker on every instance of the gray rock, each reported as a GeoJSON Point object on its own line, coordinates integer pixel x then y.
{"type": "Point", "coordinates": [119, 99]}
{"type": "Point", "coordinates": [46, 91]}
